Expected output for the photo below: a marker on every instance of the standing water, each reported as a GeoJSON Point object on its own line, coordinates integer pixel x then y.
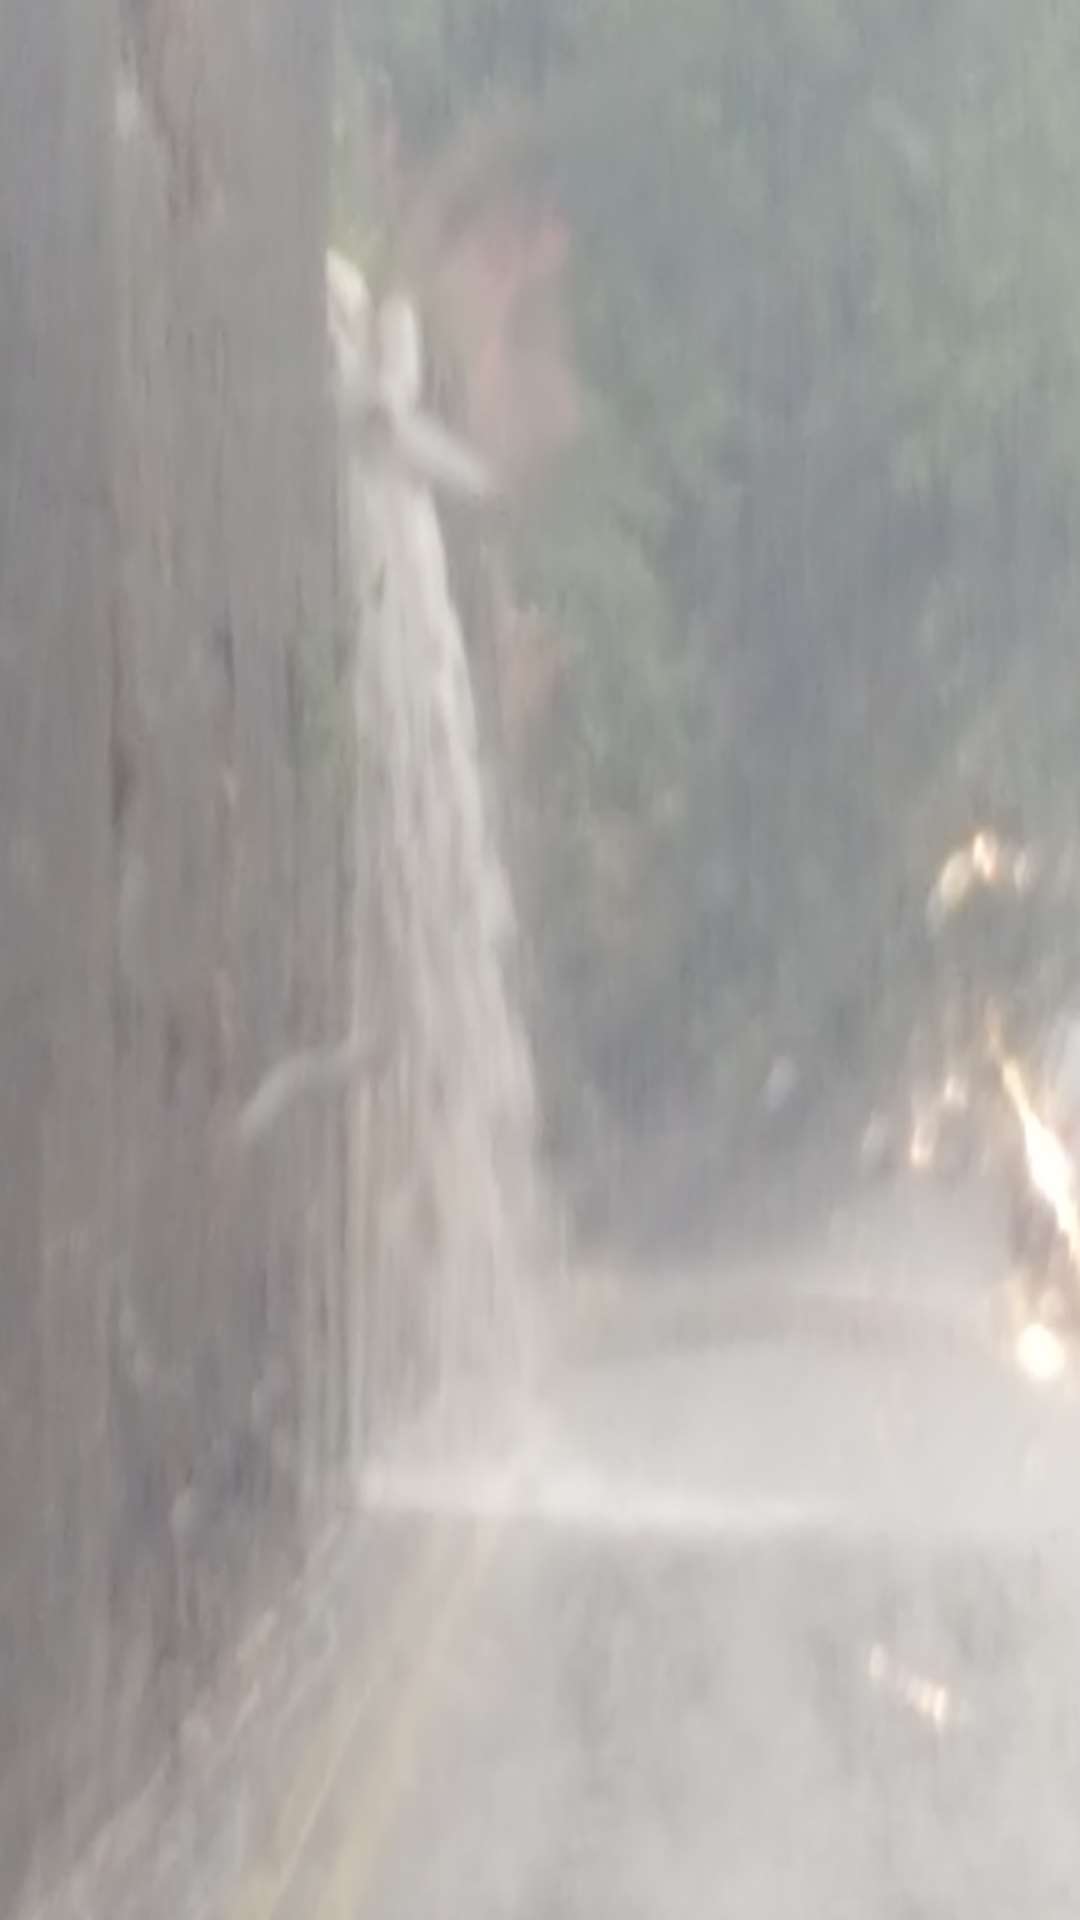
{"type": "Point", "coordinates": [445, 1183]}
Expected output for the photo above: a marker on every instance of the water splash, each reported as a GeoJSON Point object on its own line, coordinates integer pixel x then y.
{"type": "Point", "coordinates": [446, 1138]}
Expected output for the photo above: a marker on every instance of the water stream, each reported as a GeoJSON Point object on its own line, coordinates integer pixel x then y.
{"type": "Point", "coordinates": [445, 1141]}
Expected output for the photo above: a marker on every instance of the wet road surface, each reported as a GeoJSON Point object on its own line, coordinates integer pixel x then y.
{"type": "Point", "coordinates": [760, 1627]}
{"type": "Point", "coordinates": [771, 1609]}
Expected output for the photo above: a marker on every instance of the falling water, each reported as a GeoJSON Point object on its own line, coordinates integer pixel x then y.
{"type": "Point", "coordinates": [445, 1136]}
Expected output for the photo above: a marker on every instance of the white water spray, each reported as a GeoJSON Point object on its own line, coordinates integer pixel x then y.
{"type": "Point", "coordinates": [446, 1137]}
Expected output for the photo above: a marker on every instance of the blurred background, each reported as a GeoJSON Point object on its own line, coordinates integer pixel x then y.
{"type": "Point", "coordinates": [537, 790]}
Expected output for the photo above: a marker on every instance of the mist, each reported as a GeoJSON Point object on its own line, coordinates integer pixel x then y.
{"type": "Point", "coordinates": [539, 889]}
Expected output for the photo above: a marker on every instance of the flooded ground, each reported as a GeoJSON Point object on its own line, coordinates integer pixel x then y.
{"type": "Point", "coordinates": [771, 1609]}
{"type": "Point", "coordinates": [689, 1724]}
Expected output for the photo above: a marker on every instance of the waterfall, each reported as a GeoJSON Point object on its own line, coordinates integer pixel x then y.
{"type": "Point", "coordinates": [445, 1137]}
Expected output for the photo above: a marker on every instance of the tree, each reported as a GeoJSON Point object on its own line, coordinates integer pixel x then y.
{"type": "Point", "coordinates": [810, 560]}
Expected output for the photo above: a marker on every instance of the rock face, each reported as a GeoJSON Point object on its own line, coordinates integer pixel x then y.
{"type": "Point", "coordinates": [174, 896]}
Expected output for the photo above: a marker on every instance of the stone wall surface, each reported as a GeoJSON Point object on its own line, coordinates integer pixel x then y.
{"type": "Point", "coordinates": [173, 881]}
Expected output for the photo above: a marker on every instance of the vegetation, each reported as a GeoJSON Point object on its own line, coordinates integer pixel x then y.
{"type": "Point", "coordinates": [810, 560]}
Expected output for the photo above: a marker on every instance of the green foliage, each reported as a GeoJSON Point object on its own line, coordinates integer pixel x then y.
{"type": "Point", "coordinates": [812, 557]}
